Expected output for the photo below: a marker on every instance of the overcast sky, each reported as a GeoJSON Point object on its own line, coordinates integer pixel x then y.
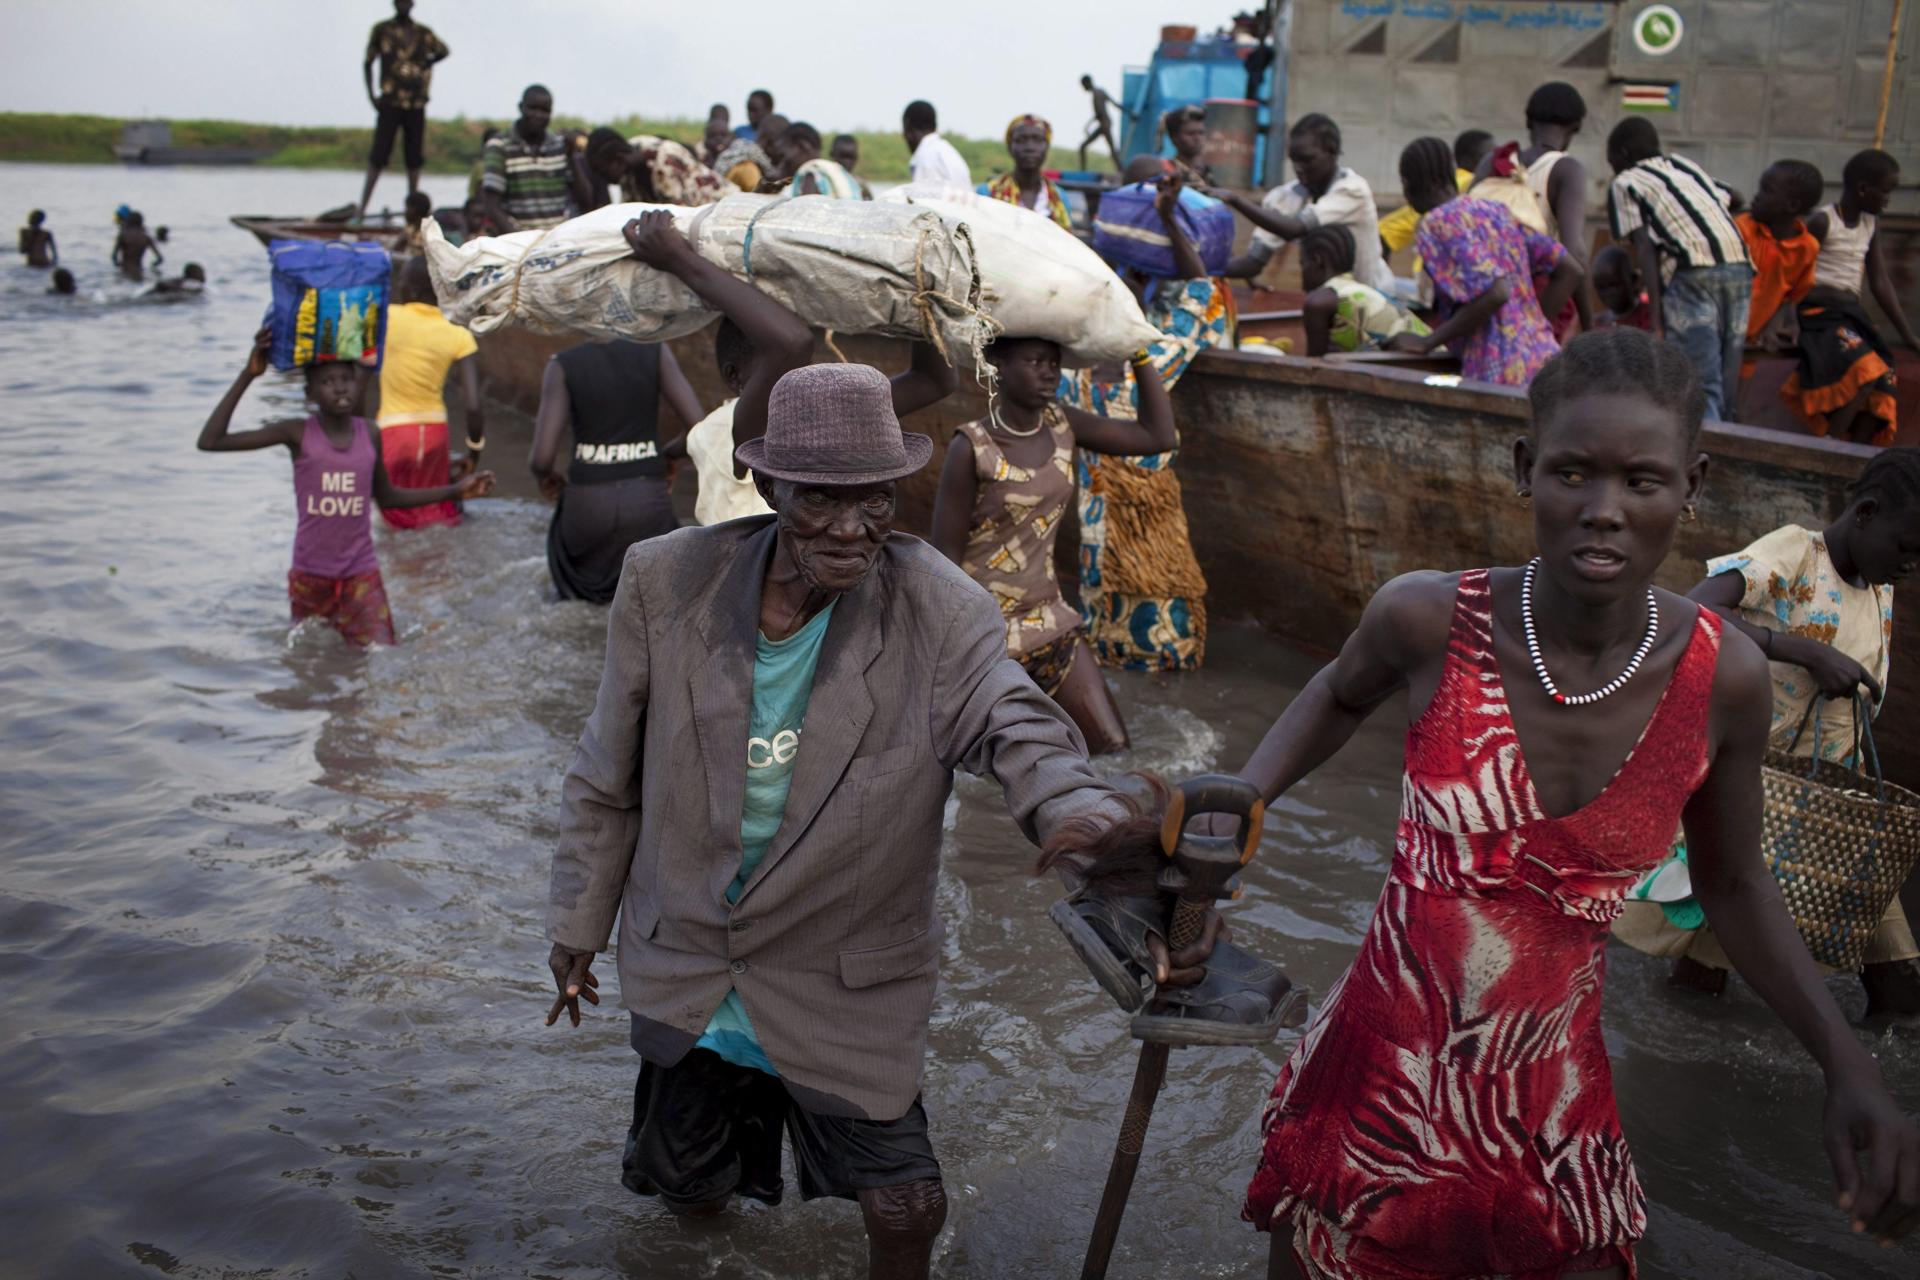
{"type": "Point", "coordinates": [836, 63]}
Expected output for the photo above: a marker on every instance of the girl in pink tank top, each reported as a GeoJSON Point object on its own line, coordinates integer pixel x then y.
{"type": "Point", "coordinates": [1450, 1111]}
{"type": "Point", "coordinates": [338, 477]}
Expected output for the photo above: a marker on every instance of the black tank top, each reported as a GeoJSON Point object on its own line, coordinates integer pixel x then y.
{"type": "Point", "coordinates": [614, 388]}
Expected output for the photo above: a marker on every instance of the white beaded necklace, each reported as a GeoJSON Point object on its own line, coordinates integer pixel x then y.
{"type": "Point", "coordinates": [993, 412]}
{"type": "Point", "coordinates": [1540, 666]}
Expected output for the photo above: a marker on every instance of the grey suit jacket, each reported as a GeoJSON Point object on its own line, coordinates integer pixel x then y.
{"type": "Point", "coordinates": [834, 945]}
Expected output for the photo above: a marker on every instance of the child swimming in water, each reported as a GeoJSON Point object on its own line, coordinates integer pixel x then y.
{"type": "Point", "coordinates": [337, 476]}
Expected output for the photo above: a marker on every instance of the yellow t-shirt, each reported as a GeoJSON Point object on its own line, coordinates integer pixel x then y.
{"type": "Point", "coordinates": [421, 346]}
{"type": "Point", "coordinates": [1397, 228]}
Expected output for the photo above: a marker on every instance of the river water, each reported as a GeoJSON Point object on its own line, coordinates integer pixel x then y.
{"type": "Point", "coordinates": [271, 967]}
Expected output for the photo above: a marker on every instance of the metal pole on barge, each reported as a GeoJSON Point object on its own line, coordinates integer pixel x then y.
{"type": "Point", "coordinates": [1886, 76]}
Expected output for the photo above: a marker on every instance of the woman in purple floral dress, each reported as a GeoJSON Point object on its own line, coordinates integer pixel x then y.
{"type": "Point", "coordinates": [1483, 263]}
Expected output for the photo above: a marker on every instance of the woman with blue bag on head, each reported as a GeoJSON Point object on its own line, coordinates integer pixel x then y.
{"type": "Point", "coordinates": [1820, 603]}
{"type": "Point", "coordinates": [1142, 595]}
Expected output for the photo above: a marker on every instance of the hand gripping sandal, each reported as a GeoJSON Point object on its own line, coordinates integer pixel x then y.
{"type": "Point", "coordinates": [1240, 999]}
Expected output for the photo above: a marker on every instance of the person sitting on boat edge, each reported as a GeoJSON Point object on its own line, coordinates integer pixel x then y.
{"type": "Point", "coordinates": [1679, 222]}
{"type": "Point", "coordinates": [1323, 191]}
{"type": "Point", "coordinates": [779, 938]}
{"type": "Point", "coordinates": [337, 476]}
{"type": "Point", "coordinates": [1820, 605]}
{"type": "Point", "coordinates": [36, 242]}
{"type": "Point", "coordinates": [759, 107]}
{"type": "Point", "coordinates": [1450, 1111]}
{"type": "Point", "coordinates": [645, 169]}
{"type": "Point", "coordinates": [1340, 313]}
{"type": "Point", "coordinates": [423, 350]}
{"type": "Point", "coordinates": [1616, 283]}
{"type": "Point", "coordinates": [413, 234]}
{"type": "Point", "coordinates": [1029, 138]}
{"type": "Point", "coordinates": [1006, 484]}
{"type": "Point", "coordinates": [756, 343]}
{"type": "Point", "coordinates": [1845, 382]}
{"type": "Point", "coordinates": [1142, 593]}
{"type": "Point", "coordinates": [1483, 264]}
{"type": "Point", "coordinates": [797, 152]}
{"type": "Point", "coordinates": [1783, 252]}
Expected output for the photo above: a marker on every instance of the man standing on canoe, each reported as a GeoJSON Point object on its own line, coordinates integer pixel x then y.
{"type": "Point", "coordinates": [758, 794]}
{"type": "Point", "coordinates": [407, 51]}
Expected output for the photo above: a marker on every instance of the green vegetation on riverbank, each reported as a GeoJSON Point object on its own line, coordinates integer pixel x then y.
{"type": "Point", "coordinates": [452, 145]}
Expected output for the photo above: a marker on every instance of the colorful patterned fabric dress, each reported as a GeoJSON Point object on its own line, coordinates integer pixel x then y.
{"type": "Point", "coordinates": [1450, 1113]}
{"type": "Point", "coordinates": [1467, 245]}
{"type": "Point", "coordinates": [1016, 521]}
{"type": "Point", "coordinates": [1141, 590]}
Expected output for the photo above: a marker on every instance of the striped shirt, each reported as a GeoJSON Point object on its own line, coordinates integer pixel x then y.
{"type": "Point", "coordinates": [531, 179]}
{"type": "Point", "coordinates": [1684, 211]}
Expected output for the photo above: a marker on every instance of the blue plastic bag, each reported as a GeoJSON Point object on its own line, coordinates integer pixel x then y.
{"type": "Point", "coordinates": [329, 302]}
{"type": "Point", "coordinates": [1128, 232]}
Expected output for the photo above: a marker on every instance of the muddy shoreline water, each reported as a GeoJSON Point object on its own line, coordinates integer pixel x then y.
{"type": "Point", "coordinates": [271, 967]}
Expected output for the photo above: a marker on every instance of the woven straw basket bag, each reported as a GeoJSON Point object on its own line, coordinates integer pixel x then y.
{"type": "Point", "coordinates": [1840, 840]}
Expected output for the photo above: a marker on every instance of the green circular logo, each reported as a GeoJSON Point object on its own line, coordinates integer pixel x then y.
{"type": "Point", "coordinates": [1657, 30]}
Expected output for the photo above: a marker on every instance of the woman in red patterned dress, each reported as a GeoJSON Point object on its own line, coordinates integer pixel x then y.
{"type": "Point", "coordinates": [1450, 1113]}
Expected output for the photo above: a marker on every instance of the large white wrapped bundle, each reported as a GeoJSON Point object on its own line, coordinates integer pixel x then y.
{"type": "Point", "coordinates": [1039, 280]}
{"type": "Point", "coordinates": [939, 270]}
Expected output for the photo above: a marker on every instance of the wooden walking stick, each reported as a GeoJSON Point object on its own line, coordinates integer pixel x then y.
{"type": "Point", "coordinates": [1240, 1001]}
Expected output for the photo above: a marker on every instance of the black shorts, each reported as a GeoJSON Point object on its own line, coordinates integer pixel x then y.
{"type": "Point", "coordinates": [408, 121]}
{"type": "Point", "coordinates": [706, 1129]}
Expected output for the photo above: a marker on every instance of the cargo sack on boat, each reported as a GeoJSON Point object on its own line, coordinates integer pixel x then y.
{"type": "Point", "coordinates": [1038, 280]}
{"type": "Point", "coordinates": [1128, 231]}
{"type": "Point", "coordinates": [861, 269]}
{"type": "Point", "coordinates": [329, 302]}
{"type": "Point", "coordinates": [1839, 838]}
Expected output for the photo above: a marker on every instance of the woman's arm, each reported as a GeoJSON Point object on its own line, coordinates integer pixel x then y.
{"type": "Point", "coordinates": [1285, 225]}
{"type": "Point", "coordinates": [215, 437]}
{"type": "Point", "coordinates": [1887, 296]}
{"type": "Point", "coordinates": [1647, 257]}
{"type": "Point", "coordinates": [1465, 321]}
{"type": "Point", "coordinates": [679, 395]}
{"type": "Point", "coordinates": [1316, 317]}
{"type": "Point", "coordinates": [781, 340]}
{"type": "Point", "coordinates": [1186, 259]}
{"type": "Point", "coordinates": [1875, 1150]}
{"type": "Point", "coordinates": [550, 420]}
{"type": "Point", "coordinates": [1837, 675]}
{"type": "Point", "coordinates": [388, 494]}
{"type": "Point", "coordinates": [1567, 193]}
{"type": "Point", "coordinates": [928, 379]}
{"type": "Point", "coordinates": [1564, 280]}
{"type": "Point", "coordinates": [953, 501]}
{"type": "Point", "coordinates": [1151, 433]}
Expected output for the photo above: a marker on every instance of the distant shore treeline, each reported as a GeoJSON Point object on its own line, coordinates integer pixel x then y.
{"type": "Point", "coordinates": [452, 145]}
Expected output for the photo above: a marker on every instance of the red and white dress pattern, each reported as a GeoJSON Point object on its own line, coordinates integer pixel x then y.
{"type": "Point", "coordinates": [1450, 1113]}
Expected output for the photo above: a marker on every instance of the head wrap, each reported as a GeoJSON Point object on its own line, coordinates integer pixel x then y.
{"type": "Point", "coordinates": [1029, 119]}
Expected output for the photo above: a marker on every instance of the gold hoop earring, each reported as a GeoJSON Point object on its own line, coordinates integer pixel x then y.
{"type": "Point", "coordinates": [1525, 496]}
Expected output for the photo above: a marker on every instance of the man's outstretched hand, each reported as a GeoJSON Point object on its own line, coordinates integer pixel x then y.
{"type": "Point", "coordinates": [573, 977]}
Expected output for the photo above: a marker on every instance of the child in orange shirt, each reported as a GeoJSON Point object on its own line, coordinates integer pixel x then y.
{"type": "Point", "coordinates": [1783, 253]}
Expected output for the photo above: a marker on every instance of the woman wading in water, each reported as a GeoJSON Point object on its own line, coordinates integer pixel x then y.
{"type": "Point", "coordinates": [1450, 1113]}
{"type": "Point", "coordinates": [1007, 481]}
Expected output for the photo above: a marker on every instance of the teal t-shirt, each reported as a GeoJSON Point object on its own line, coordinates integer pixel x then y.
{"type": "Point", "coordinates": [782, 685]}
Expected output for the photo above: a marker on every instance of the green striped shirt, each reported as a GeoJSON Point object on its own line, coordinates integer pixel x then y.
{"type": "Point", "coordinates": [531, 179]}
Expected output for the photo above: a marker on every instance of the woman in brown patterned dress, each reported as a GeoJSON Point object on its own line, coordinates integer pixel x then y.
{"type": "Point", "coordinates": [1006, 484]}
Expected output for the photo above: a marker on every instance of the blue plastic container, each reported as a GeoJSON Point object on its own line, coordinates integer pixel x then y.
{"type": "Point", "coordinates": [1129, 234]}
{"type": "Point", "coordinates": [329, 302]}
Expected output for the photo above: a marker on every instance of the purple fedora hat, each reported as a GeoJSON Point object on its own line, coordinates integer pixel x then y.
{"type": "Point", "coordinates": [834, 424]}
